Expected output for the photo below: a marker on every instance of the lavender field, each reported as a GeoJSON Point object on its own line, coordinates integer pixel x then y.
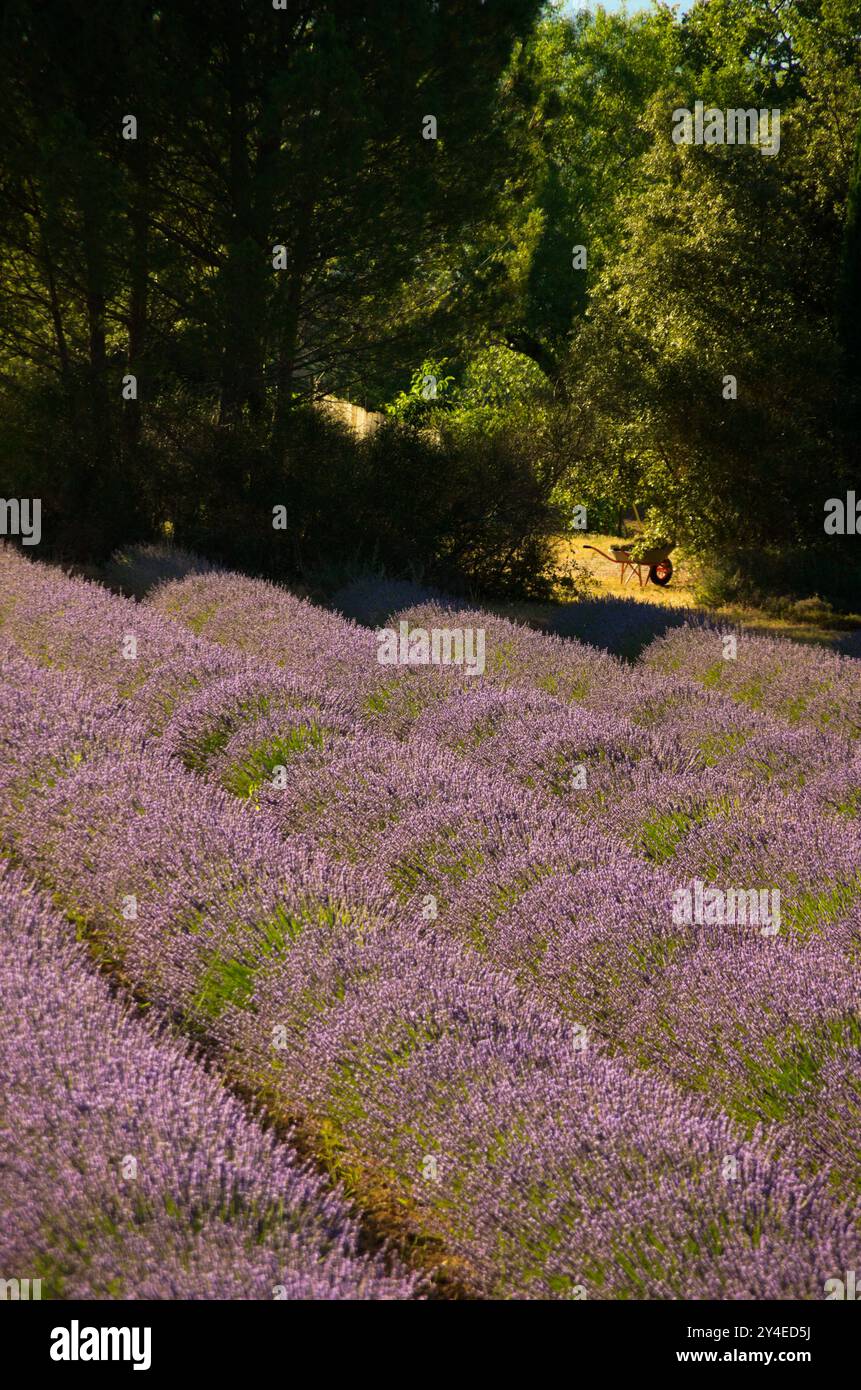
{"type": "Point", "coordinates": [324, 977]}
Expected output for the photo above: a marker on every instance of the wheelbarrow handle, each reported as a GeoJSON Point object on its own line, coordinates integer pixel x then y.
{"type": "Point", "coordinates": [611, 558]}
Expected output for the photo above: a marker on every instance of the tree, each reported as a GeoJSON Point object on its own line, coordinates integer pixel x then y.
{"type": "Point", "coordinates": [728, 270]}
{"type": "Point", "coordinates": [155, 257]}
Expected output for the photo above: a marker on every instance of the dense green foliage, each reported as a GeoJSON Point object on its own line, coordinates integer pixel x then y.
{"type": "Point", "coordinates": [558, 375]}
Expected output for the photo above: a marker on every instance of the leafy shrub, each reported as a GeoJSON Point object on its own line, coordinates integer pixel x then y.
{"type": "Point", "coordinates": [138, 568]}
{"type": "Point", "coordinates": [803, 585]}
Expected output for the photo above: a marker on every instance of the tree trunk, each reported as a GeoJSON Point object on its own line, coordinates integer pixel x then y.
{"type": "Point", "coordinates": [51, 284]}
{"type": "Point", "coordinates": [524, 343]}
{"type": "Point", "coordinates": [94, 260]}
{"type": "Point", "coordinates": [242, 364]}
{"type": "Point", "coordinates": [139, 219]}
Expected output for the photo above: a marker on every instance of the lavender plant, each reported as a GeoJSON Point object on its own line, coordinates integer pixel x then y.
{"type": "Point", "coordinates": [800, 683]}
{"type": "Point", "coordinates": [129, 1172]}
{"type": "Point", "coordinates": [412, 928]}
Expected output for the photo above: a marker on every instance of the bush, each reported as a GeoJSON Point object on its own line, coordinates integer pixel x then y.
{"type": "Point", "coordinates": [465, 506]}
{"type": "Point", "coordinates": [91, 494]}
{"type": "Point", "coordinates": [807, 585]}
{"type": "Point", "coordinates": [372, 598]}
{"type": "Point", "coordinates": [464, 509]}
{"type": "Point", "coordinates": [139, 568]}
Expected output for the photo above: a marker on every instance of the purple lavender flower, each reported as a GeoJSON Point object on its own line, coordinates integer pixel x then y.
{"type": "Point", "coordinates": [804, 684]}
{"type": "Point", "coordinates": [129, 1172]}
{"type": "Point", "coordinates": [528, 1074]}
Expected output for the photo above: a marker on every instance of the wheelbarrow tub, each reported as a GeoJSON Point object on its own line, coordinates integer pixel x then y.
{"type": "Point", "coordinates": [645, 557]}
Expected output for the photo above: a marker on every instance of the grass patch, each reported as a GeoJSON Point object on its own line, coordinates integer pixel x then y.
{"type": "Point", "coordinates": [715, 747]}
{"type": "Point", "coordinates": [809, 912]}
{"type": "Point", "coordinates": [789, 1065]}
{"type": "Point", "coordinates": [437, 857]}
{"type": "Point", "coordinates": [660, 837]}
{"type": "Point", "coordinates": [247, 776]}
{"type": "Point", "coordinates": [229, 979]}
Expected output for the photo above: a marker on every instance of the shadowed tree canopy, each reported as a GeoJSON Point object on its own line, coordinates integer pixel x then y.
{"type": "Point", "coordinates": [289, 138]}
{"type": "Point", "coordinates": [214, 213]}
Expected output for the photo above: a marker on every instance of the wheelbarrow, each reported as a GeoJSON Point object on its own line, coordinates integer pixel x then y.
{"type": "Point", "coordinates": [649, 564]}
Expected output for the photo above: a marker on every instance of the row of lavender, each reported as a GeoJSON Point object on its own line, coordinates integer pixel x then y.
{"type": "Point", "coordinates": [128, 1171]}
{"type": "Point", "coordinates": [814, 860]}
{"type": "Point", "coordinates": [753, 1019]}
{"type": "Point", "coordinates": [416, 1067]}
{"type": "Point", "coordinates": [803, 684]}
{"type": "Point", "coordinates": [658, 756]}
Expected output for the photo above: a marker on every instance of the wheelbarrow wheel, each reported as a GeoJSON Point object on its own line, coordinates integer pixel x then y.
{"type": "Point", "coordinates": [661, 573]}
